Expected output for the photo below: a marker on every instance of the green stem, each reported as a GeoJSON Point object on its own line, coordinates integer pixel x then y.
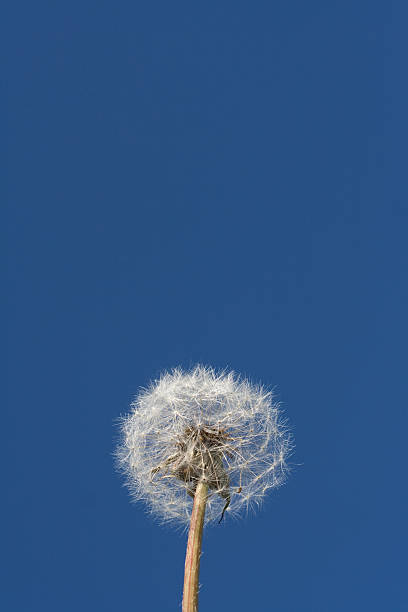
{"type": "Point", "coordinates": [195, 534]}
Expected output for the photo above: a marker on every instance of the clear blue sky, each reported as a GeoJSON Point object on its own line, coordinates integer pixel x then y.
{"type": "Point", "coordinates": [220, 183]}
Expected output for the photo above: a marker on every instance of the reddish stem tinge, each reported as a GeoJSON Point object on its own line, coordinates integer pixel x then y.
{"type": "Point", "coordinates": [195, 534]}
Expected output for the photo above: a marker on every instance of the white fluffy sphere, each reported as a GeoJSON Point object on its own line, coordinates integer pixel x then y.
{"type": "Point", "coordinates": [203, 425]}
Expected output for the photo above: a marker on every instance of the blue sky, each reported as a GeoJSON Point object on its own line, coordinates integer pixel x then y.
{"type": "Point", "coordinates": [223, 184]}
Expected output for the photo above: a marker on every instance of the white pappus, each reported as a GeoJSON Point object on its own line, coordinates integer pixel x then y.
{"type": "Point", "coordinates": [203, 425]}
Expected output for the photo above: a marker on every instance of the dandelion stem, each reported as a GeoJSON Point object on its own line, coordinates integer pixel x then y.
{"type": "Point", "coordinates": [195, 534]}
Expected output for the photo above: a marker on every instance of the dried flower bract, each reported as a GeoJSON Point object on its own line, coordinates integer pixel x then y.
{"type": "Point", "coordinates": [208, 426]}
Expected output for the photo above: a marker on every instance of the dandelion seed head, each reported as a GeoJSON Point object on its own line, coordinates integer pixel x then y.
{"type": "Point", "coordinates": [203, 425]}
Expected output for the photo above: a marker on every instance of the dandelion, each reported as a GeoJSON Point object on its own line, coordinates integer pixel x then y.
{"type": "Point", "coordinates": [199, 444]}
